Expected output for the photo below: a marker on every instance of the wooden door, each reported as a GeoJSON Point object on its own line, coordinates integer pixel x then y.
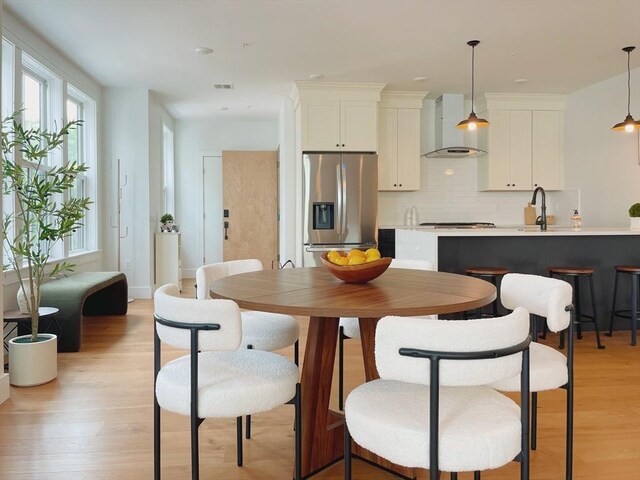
{"type": "Point", "coordinates": [250, 187]}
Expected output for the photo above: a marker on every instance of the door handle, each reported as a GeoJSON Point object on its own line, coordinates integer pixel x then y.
{"type": "Point", "coordinates": [226, 230]}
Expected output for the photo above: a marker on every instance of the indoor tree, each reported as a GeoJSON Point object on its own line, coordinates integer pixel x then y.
{"type": "Point", "coordinates": [44, 211]}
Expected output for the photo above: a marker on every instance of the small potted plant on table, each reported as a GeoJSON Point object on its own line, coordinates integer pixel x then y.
{"type": "Point", "coordinates": [44, 212]}
{"type": "Point", "coordinates": [166, 221]}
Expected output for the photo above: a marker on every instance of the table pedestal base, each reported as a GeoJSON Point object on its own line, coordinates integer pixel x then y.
{"type": "Point", "coordinates": [323, 429]}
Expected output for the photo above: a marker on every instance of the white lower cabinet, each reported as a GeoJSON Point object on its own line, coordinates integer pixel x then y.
{"type": "Point", "coordinates": [168, 260]}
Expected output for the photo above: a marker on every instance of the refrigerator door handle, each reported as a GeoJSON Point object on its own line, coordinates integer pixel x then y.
{"type": "Point", "coordinates": [340, 200]}
{"type": "Point", "coordinates": [343, 206]}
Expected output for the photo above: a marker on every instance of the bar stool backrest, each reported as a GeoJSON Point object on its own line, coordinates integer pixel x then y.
{"type": "Point", "coordinates": [542, 296]}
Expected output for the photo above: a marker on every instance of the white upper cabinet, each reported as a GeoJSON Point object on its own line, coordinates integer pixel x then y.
{"type": "Point", "coordinates": [337, 117]}
{"type": "Point", "coordinates": [524, 142]}
{"type": "Point", "coordinates": [399, 141]}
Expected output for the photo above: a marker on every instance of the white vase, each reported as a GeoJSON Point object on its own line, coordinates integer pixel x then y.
{"type": "Point", "coordinates": [635, 223]}
{"type": "Point", "coordinates": [33, 363]}
{"type": "Point", "coordinates": [25, 297]}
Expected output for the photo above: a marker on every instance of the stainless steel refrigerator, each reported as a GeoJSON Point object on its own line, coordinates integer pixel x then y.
{"type": "Point", "coordinates": [340, 203]}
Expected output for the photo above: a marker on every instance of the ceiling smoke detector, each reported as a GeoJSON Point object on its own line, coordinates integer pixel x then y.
{"type": "Point", "coordinates": [223, 86]}
{"type": "Point", "coordinates": [204, 50]}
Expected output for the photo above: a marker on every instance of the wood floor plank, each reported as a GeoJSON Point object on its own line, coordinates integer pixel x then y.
{"type": "Point", "coordinates": [95, 420]}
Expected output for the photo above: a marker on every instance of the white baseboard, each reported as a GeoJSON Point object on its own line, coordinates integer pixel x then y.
{"type": "Point", "coordinates": [4, 387]}
{"type": "Point", "coordinates": [189, 273]}
{"type": "Point", "coordinates": [140, 292]}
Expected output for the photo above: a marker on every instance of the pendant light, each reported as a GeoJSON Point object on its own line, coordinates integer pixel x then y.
{"type": "Point", "coordinates": [473, 121]}
{"type": "Point", "coordinates": [629, 124]}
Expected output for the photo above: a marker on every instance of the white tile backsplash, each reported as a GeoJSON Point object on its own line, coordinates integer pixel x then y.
{"type": "Point", "coordinates": [449, 193]}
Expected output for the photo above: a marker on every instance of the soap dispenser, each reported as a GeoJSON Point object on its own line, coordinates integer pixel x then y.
{"type": "Point", "coordinates": [414, 216]}
{"type": "Point", "coordinates": [576, 221]}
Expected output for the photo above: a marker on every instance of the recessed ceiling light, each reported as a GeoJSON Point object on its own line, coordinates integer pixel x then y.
{"type": "Point", "coordinates": [245, 45]}
{"type": "Point", "coordinates": [223, 109]}
{"type": "Point", "coordinates": [420, 79]}
{"type": "Point", "coordinates": [316, 76]}
{"type": "Point", "coordinates": [223, 86]}
{"type": "Point", "coordinates": [521, 80]}
{"type": "Point", "coordinates": [204, 50]}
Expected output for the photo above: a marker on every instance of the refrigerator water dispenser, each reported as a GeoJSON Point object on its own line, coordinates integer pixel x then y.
{"type": "Point", "coordinates": [323, 216]}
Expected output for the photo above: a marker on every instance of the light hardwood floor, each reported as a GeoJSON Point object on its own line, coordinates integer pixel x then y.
{"type": "Point", "coordinates": [95, 420]}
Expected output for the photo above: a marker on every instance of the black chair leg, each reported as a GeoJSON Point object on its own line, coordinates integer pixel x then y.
{"type": "Point", "coordinates": [634, 308]}
{"type": "Point", "coordinates": [534, 420]}
{"type": "Point", "coordinates": [195, 454]}
{"type": "Point", "coordinates": [569, 447]}
{"type": "Point", "coordinates": [476, 475]}
{"type": "Point", "coordinates": [248, 425]}
{"type": "Point", "coordinates": [156, 440]}
{"type": "Point", "coordinates": [347, 453]}
{"type": "Point", "coordinates": [454, 476]}
{"type": "Point", "coordinates": [613, 305]}
{"type": "Point", "coordinates": [595, 316]}
{"type": "Point", "coordinates": [341, 338]}
{"type": "Point", "coordinates": [239, 440]}
{"type": "Point", "coordinates": [296, 353]}
{"type": "Point", "coordinates": [298, 434]}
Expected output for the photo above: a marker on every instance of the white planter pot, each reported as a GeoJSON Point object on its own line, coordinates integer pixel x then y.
{"type": "Point", "coordinates": [33, 364]}
{"type": "Point", "coordinates": [635, 223]}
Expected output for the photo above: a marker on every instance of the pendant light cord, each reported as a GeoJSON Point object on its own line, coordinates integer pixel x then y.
{"type": "Point", "coordinates": [629, 83]}
{"type": "Point", "coordinates": [473, 64]}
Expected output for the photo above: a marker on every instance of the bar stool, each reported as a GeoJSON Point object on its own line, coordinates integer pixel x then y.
{"type": "Point", "coordinates": [573, 276]}
{"type": "Point", "coordinates": [633, 313]}
{"type": "Point", "coordinates": [491, 274]}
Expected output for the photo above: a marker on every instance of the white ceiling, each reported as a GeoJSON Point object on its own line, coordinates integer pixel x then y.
{"type": "Point", "coordinates": [558, 45]}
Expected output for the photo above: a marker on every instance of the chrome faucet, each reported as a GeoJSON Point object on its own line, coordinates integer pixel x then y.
{"type": "Point", "coordinates": [542, 219]}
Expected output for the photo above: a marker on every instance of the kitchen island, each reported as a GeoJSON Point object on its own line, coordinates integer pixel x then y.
{"type": "Point", "coordinates": [528, 250]}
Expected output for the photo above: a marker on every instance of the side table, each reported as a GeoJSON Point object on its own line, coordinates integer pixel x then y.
{"type": "Point", "coordinates": [24, 319]}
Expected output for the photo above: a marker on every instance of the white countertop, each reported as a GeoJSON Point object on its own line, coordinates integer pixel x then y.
{"type": "Point", "coordinates": [518, 231]}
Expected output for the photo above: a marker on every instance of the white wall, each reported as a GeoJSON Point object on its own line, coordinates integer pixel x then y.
{"type": "Point", "coordinates": [603, 164]}
{"type": "Point", "coordinates": [287, 181]}
{"type": "Point", "coordinates": [126, 136]}
{"type": "Point", "coordinates": [194, 138]}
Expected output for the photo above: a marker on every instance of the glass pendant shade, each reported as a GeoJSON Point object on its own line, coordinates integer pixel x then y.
{"type": "Point", "coordinates": [473, 122]}
{"type": "Point", "coordinates": [629, 124]}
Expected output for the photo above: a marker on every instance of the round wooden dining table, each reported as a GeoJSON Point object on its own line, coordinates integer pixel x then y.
{"type": "Point", "coordinates": [314, 292]}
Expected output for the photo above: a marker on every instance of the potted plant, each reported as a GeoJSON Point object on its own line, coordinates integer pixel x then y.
{"type": "Point", "coordinates": [42, 216]}
{"type": "Point", "coordinates": [167, 223]}
{"type": "Point", "coordinates": [634, 216]}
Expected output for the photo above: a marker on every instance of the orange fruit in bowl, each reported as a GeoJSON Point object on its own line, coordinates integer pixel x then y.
{"type": "Point", "coordinates": [340, 260]}
{"type": "Point", "coordinates": [373, 254]}
{"type": "Point", "coordinates": [354, 252]}
{"type": "Point", "coordinates": [332, 254]}
{"type": "Point", "coordinates": [372, 259]}
{"type": "Point", "coordinates": [357, 260]}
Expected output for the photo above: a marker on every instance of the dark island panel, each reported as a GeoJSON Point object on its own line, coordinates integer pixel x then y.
{"type": "Point", "coordinates": [535, 254]}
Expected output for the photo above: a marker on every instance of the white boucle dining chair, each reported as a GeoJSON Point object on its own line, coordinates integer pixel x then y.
{"type": "Point", "coordinates": [550, 369]}
{"type": "Point", "coordinates": [350, 327]}
{"type": "Point", "coordinates": [216, 379]}
{"type": "Point", "coordinates": [260, 330]}
{"type": "Point", "coordinates": [431, 407]}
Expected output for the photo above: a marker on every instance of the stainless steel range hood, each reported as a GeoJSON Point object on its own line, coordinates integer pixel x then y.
{"type": "Point", "coordinates": [449, 139]}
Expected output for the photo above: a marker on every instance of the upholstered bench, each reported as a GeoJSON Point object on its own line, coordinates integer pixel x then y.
{"type": "Point", "coordinates": [86, 293]}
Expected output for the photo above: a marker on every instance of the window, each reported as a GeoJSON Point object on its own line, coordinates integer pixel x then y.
{"type": "Point", "coordinates": [33, 101]}
{"type": "Point", "coordinates": [81, 148]}
{"type": "Point", "coordinates": [168, 182]}
{"type": "Point", "coordinates": [47, 101]}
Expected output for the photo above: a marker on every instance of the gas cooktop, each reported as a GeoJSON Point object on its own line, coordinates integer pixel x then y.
{"type": "Point", "coordinates": [459, 225]}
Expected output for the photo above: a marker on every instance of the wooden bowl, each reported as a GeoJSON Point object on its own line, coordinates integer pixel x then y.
{"type": "Point", "coordinates": [357, 273]}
